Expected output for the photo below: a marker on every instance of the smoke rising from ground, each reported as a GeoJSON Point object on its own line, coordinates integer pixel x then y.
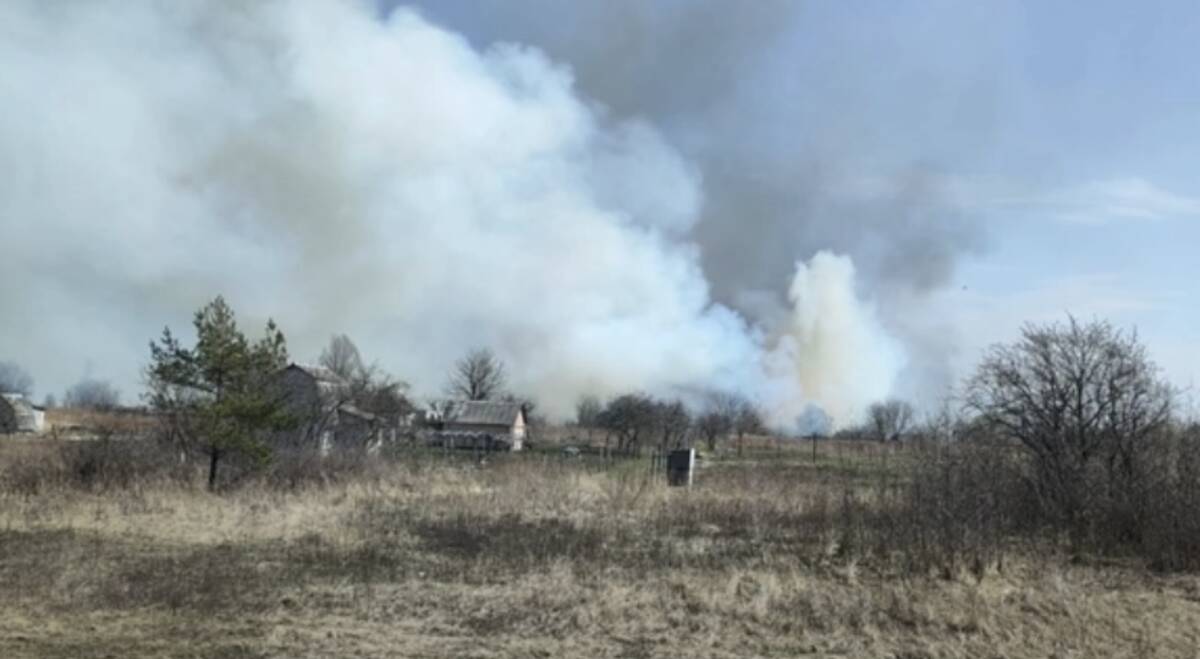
{"type": "Point", "coordinates": [833, 347]}
{"type": "Point", "coordinates": [381, 177]}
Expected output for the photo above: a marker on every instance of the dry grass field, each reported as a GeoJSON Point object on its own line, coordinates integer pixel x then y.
{"type": "Point", "coordinates": [537, 556]}
{"type": "Point", "coordinates": [69, 423]}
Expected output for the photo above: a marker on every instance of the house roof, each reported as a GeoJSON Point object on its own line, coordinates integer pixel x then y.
{"type": "Point", "coordinates": [24, 413]}
{"type": "Point", "coordinates": [484, 412]}
{"type": "Point", "coordinates": [19, 403]}
{"type": "Point", "coordinates": [318, 373]}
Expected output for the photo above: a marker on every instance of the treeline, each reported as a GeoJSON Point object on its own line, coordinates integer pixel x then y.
{"type": "Point", "coordinates": [632, 421]}
{"type": "Point", "coordinates": [88, 394]}
{"type": "Point", "coordinates": [1067, 439]}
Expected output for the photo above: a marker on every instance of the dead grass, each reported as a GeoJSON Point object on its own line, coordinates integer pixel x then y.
{"type": "Point", "coordinates": [66, 423]}
{"type": "Point", "coordinates": [538, 558]}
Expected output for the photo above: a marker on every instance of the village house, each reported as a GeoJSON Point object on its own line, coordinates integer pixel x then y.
{"type": "Point", "coordinates": [320, 400]}
{"type": "Point", "coordinates": [17, 414]}
{"type": "Point", "coordinates": [488, 424]}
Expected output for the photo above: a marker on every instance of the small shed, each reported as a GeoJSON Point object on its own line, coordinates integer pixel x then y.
{"type": "Point", "coordinates": [501, 421]}
{"type": "Point", "coordinates": [17, 414]}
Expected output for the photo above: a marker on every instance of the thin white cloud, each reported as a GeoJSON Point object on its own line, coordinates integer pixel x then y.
{"type": "Point", "coordinates": [1094, 202]}
{"type": "Point", "coordinates": [984, 318]}
{"type": "Point", "coordinates": [1099, 202]}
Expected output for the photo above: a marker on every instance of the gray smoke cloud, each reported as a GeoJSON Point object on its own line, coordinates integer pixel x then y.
{"type": "Point", "coordinates": [343, 168]}
{"type": "Point", "coordinates": [812, 133]}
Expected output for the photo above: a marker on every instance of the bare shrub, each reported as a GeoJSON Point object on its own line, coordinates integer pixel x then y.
{"type": "Point", "coordinates": [889, 420]}
{"type": "Point", "coordinates": [33, 472]}
{"type": "Point", "coordinates": [1169, 513]}
{"type": "Point", "coordinates": [109, 463]}
{"type": "Point", "coordinates": [95, 465]}
{"type": "Point", "coordinates": [305, 467]}
{"type": "Point", "coordinates": [965, 505]}
{"type": "Point", "coordinates": [1085, 401]}
{"type": "Point", "coordinates": [960, 508]}
{"type": "Point", "coordinates": [92, 394]}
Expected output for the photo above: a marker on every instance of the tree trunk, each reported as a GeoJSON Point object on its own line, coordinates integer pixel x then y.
{"type": "Point", "coordinates": [214, 457]}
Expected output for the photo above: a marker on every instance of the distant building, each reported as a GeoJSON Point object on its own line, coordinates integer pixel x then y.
{"type": "Point", "coordinates": [481, 424]}
{"type": "Point", "coordinates": [320, 400]}
{"type": "Point", "coordinates": [17, 414]}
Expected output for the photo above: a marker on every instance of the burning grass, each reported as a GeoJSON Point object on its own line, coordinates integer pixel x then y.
{"type": "Point", "coordinates": [534, 557]}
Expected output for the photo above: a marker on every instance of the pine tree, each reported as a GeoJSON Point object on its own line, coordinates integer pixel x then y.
{"type": "Point", "coordinates": [219, 397]}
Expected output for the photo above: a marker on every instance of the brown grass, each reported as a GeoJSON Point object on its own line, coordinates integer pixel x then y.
{"type": "Point", "coordinates": [544, 558]}
{"type": "Point", "coordinates": [68, 423]}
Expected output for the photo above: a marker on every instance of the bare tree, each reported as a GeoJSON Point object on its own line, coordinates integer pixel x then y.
{"type": "Point", "coordinates": [747, 420]}
{"type": "Point", "coordinates": [342, 357]}
{"type": "Point", "coordinates": [358, 388]}
{"type": "Point", "coordinates": [14, 379]}
{"type": "Point", "coordinates": [943, 424]}
{"type": "Point", "coordinates": [889, 420]}
{"type": "Point", "coordinates": [712, 427]}
{"type": "Point", "coordinates": [587, 411]}
{"type": "Point", "coordinates": [1076, 396]}
{"type": "Point", "coordinates": [953, 422]}
{"type": "Point", "coordinates": [630, 417]}
{"type": "Point", "coordinates": [673, 423]}
{"type": "Point", "coordinates": [92, 394]}
{"type": "Point", "coordinates": [479, 375]}
{"type": "Point", "coordinates": [365, 386]}
{"type": "Point", "coordinates": [716, 420]}
{"type": "Point", "coordinates": [727, 414]}
{"type": "Point", "coordinates": [587, 414]}
{"type": "Point", "coordinates": [373, 390]}
{"type": "Point", "coordinates": [442, 411]}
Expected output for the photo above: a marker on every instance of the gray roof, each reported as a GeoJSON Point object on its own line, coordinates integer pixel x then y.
{"type": "Point", "coordinates": [318, 373]}
{"type": "Point", "coordinates": [484, 412]}
{"type": "Point", "coordinates": [24, 413]}
{"type": "Point", "coordinates": [20, 404]}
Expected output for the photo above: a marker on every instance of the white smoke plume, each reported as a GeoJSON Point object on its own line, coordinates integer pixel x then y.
{"type": "Point", "coordinates": [833, 347]}
{"type": "Point", "coordinates": [378, 176]}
